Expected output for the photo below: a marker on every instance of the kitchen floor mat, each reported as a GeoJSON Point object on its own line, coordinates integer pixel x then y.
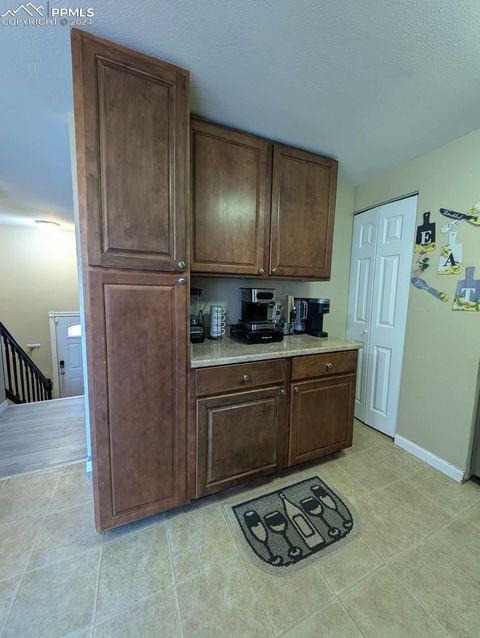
{"type": "Point", "coordinates": [284, 530]}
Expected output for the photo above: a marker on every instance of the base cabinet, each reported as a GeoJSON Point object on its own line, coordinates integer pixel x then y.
{"type": "Point", "coordinates": [321, 417]}
{"type": "Point", "coordinates": [240, 436]}
{"type": "Point", "coordinates": [257, 418]}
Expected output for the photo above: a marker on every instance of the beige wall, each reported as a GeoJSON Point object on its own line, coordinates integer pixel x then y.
{"type": "Point", "coordinates": [226, 291]}
{"type": "Point", "coordinates": [38, 274]}
{"type": "Point", "coordinates": [442, 347]}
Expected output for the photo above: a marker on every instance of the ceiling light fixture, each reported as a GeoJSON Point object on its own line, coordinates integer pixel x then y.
{"type": "Point", "coordinates": [45, 224]}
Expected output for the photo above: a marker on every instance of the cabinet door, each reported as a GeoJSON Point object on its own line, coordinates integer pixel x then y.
{"type": "Point", "coordinates": [303, 209]}
{"type": "Point", "coordinates": [132, 127]}
{"type": "Point", "coordinates": [136, 339]}
{"type": "Point", "coordinates": [239, 436]}
{"type": "Point", "coordinates": [321, 417]}
{"type": "Point", "coordinates": [230, 197]}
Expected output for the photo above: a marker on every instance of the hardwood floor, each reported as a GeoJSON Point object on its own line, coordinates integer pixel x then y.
{"type": "Point", "coordinates": [41, 435]}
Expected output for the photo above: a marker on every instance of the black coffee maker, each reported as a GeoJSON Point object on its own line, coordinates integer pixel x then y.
{"type": "Point", "coordinates": [314, 319]}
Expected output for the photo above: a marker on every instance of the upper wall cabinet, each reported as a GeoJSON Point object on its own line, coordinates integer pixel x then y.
{"type": "Point", "coordinates": [246, 222]}
{"type": "Point", "coordinates": [230, 200]}
{"type": "Point", "coordinates": [136, 118]}
{"type": "Point", "coordinates": [303, 209]}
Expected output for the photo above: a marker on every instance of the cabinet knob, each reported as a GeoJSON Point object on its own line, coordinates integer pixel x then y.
{"type": "Point", "coordinates": [182, 281]}
{"type": "Point", "coordinates": [329, 365]}
{"type": "Point", "coordinates": [182, 265]}
{"type": "Point", "coordinates": [296, 388]}
{"type": "Point", "coordinates": [245, 378]}
{"type": "Point", "coordinates": [283, 392]}
{"type": "Point", "coordinates": [274, 269]}
{"type": "Point", "coordinates": [261, 270]}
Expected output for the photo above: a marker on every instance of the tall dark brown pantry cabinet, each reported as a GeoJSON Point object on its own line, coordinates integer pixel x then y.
{"type": "Point", "coordinates": [132, 145]}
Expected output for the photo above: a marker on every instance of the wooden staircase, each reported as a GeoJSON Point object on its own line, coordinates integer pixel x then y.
{"type": "Point", "coordinates": [24, 381]}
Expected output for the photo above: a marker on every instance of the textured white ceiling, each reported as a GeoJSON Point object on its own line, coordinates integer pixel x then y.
{"type": "Point", "coordinates": [371, 82]}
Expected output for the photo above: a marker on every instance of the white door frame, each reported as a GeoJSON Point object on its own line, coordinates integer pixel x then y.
{"type": "Point", "coordinates": [52, 315]}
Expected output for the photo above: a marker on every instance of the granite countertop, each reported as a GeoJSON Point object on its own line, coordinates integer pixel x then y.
{"type": "Point", "coordinates": [227, 350]}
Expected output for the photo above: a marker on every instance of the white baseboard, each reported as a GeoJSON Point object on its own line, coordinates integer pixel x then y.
{"type": "Point", "coordinates": [3, 406]}
{"type": "Point", "coordinates": [432, 459]}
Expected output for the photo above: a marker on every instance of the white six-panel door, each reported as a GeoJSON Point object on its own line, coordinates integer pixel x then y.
{"type": "Point", "coordinates": [360, 295]}
{"type": "Point", "coordinates": [378, 302]}
{"type": "Point", "coordinates": [69, 355]}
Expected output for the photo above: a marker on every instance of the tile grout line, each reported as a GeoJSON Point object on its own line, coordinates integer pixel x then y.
{"type": "Point", "coordinates": [252, 585]}
{"type": "Point", "coordinates": [170, 554]}
{"type": "Point", "coordinates": [50, 468]}
{"type": "Point", "coordinates": [93, 618]}
{"type": "Point", "coordinates": [422, 605]}
{"type": "Point", "coordinates": [26, 570]}
{"type": "Point", "coordinates": [343, 606]}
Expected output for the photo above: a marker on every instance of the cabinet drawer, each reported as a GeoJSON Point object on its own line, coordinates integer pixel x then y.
{"type": "Point", "coordinates": [319, 365]}
{"type": "Point", "coordinates": [240, 375]}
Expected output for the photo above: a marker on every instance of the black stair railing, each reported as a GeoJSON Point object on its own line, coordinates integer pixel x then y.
{"type": "Point", "coordinates": [24, 381]}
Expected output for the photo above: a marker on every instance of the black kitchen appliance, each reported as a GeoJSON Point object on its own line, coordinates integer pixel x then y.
{"type": "Point", "coordinates": [246, 335]}
{"type": "Point", "coordinates": [256, 324]}
{"type": "Point", "coordinates": [198, 303]}
{"type": "Point", "coordinates": [316, 308]}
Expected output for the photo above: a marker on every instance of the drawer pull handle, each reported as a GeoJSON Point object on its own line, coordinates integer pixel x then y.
{"type": "Point", "coordinates": [296, 388]}
{"type": "Point", "coordinates": [329, 365]}
{"type": "Point", "coordinates": [245, 378]}
{"type": "Point", "coordinates": [283, 392]}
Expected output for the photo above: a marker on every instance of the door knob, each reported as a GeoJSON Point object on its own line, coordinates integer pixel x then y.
{"type": "Point", "coordinates": [245, 378]}
{"type": "Point", "coordinates": [283, 392]}
{"type": "Point", "coordinates": [296, 388]}
{"type": "Point", "coordinates": [274, 269]}
{"type": "Point", "coordinates": [364, 332]}
{"type": "Point", "coordinates": [182, 265]}
{"type": "Point", "coordinates": [261, 270]}
{"type": "Point", "coordinates": [182, 281]}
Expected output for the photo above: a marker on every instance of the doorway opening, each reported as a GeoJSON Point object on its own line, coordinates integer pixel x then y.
{"type": "Point", "coordinates": [42, 404]}
{"type": "Point", "coordinates": [67, 362]}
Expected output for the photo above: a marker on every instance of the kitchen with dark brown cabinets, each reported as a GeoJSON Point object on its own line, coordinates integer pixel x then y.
{"type": "Point", "coordinates": [166, 201]}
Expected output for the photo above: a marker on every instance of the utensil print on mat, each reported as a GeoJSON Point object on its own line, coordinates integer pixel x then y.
{"type": "Point", "coordinates": [258, 530]}
{"type": "Point", "coordinates": [277, 523]}
{"type": "Point", "coordinates": [310, 536]}
{"type": "Point", "coordinates": [324, 497]}
{"type": "Point", "coordinates": [313, 507]}
{"type": "Point", "coordinates": [421, 284]}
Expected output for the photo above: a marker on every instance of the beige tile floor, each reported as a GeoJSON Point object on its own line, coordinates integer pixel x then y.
{"type": "Point", "coordinates": [414, 571]}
